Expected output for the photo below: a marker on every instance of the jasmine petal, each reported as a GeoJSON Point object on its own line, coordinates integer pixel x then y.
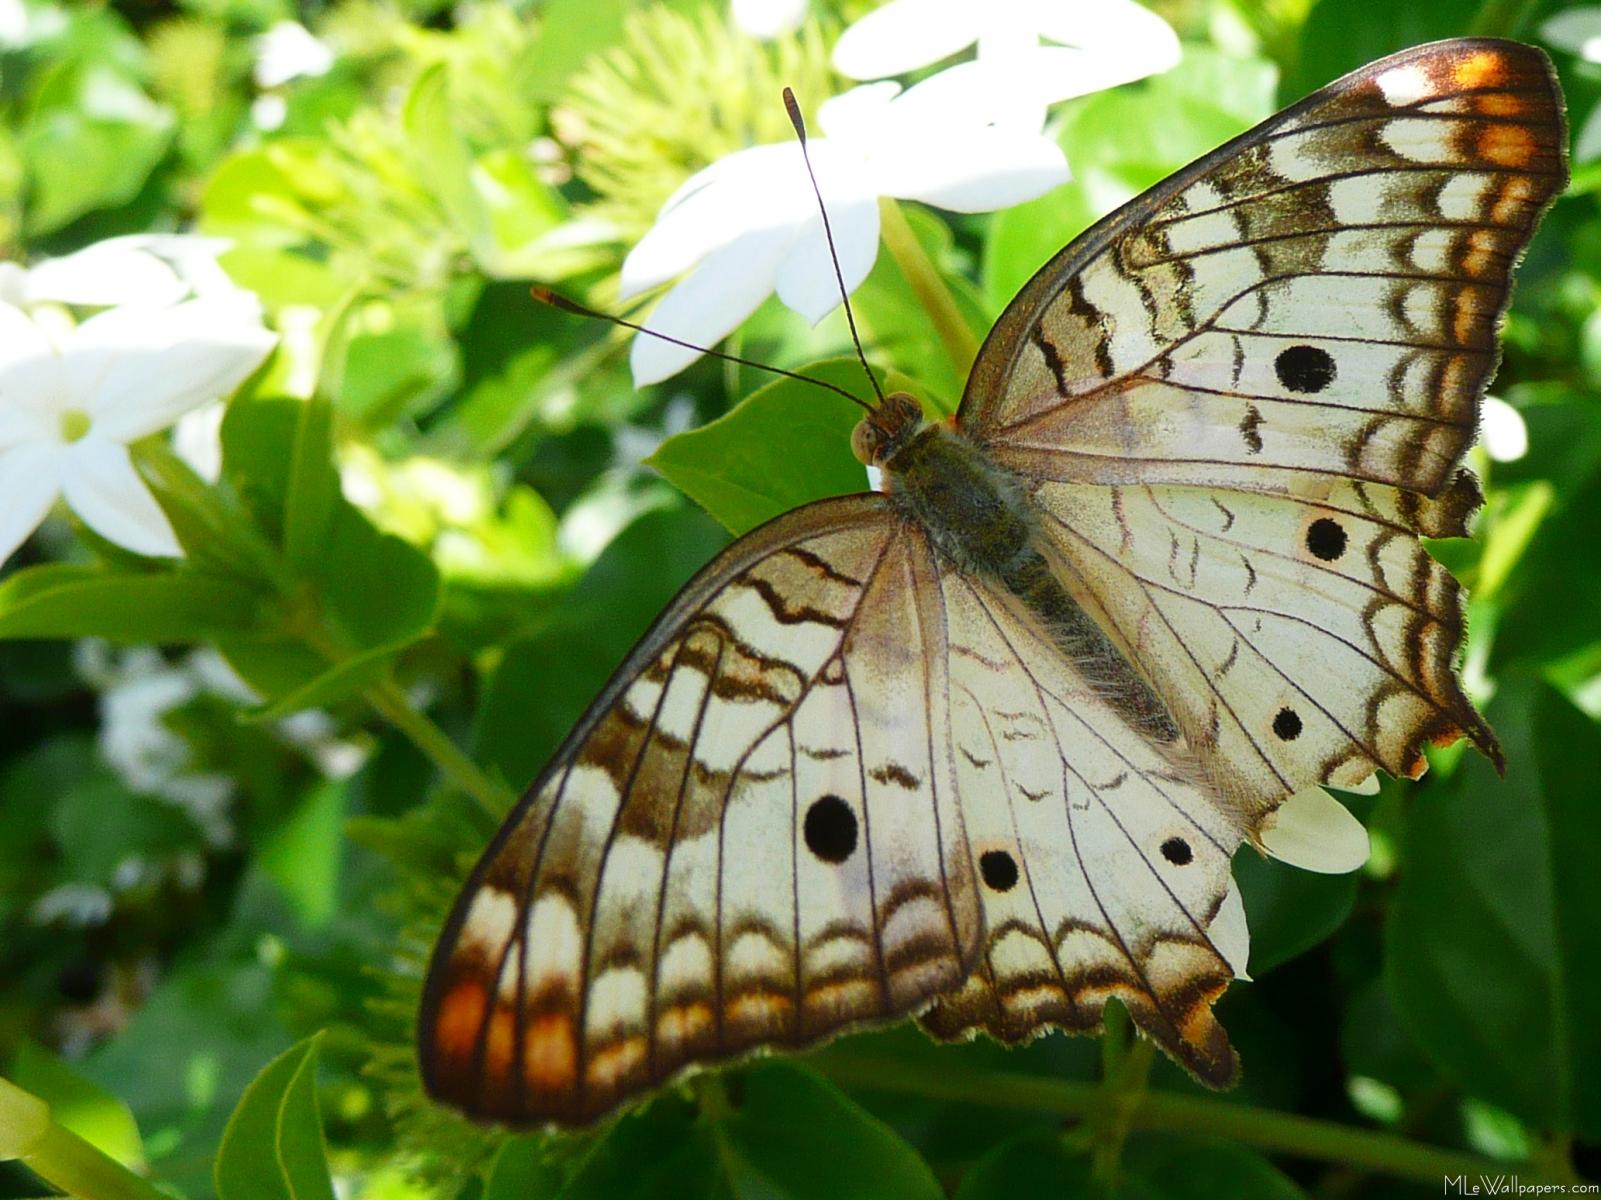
{"type": "Point", "coordinates": [100, 484]}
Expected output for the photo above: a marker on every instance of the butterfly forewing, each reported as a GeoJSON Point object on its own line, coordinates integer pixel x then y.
{"type": "Point", "coordinates": [751, 838]}
{"type": "Point", "coordinates": [1319, 296]}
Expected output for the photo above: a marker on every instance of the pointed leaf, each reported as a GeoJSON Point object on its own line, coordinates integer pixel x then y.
{"type": "Point", "coordinates": [78, 1104]}
{"type": "Point", "coordinates": [784, 445]}
{"type": "Point", "coordinates": [273, 1147]}
{"type": "Point", "coordinates": [68, 601]}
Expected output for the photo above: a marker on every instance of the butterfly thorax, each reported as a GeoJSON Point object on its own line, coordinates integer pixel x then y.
{"type": "Point", "coordinates": [975, 511]}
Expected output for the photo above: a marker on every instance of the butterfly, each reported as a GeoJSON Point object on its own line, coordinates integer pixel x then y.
{"type": "Point", "coordinates": [980, 747]}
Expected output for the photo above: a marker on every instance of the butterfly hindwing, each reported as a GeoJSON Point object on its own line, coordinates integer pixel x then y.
{"type": "Point", "coordinates": [1103, 859]}
{"type": "Point", "coordinates": [751, 838]}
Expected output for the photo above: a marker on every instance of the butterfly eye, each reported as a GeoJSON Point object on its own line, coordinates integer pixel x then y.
{"type": "Point", "coordinates": [864, 442]}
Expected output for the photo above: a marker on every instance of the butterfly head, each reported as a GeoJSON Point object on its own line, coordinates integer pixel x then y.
{"type": "Point", "coordinates": [882, 433]}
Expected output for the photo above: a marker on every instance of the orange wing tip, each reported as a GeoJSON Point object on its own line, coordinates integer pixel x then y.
{"type": "Point", "coordinates": [1480, 69]}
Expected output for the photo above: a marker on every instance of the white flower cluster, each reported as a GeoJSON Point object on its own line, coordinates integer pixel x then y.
{"type": "Point", "coordinates": [172, 335]}
{"type": "Point", "coordinates": [968, 138]}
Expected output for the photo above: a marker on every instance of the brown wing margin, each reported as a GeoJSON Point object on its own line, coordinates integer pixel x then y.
{"type": "Point", "coordinates": [605, 942]}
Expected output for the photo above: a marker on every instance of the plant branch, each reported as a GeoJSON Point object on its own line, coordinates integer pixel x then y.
{"type": "Point", "coordinates": [392, 704]}
{"type": "Point", "coordinates": [1126, 1065]}
{"type": "Point", "coordinates": [957, 336]}
{"type": "Point", "coordinates": [1263, 1128]}
{"type": "Point", "coordinates": [59, 1156]}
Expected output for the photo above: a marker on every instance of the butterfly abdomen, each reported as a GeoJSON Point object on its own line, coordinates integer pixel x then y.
{"type": "Point", "coordinates": [981, 515]}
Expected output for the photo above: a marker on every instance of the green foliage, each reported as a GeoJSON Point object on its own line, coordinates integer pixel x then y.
{"type": "Point", "coordinates": [444, 515]}
{"type": "Point", "coordinates": [1498, 984]}
{"type": "Point", "coordinates": [777, 450]}
{"type": "Point", "coordinates": [272, 1149]}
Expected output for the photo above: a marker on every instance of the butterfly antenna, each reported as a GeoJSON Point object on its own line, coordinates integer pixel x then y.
{"type": "Point", "coordinates": [799, 123]}
{"type": "Point", "coordinates": [563, 304]}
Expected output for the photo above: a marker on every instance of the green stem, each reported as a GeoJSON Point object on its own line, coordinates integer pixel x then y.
{"type": "Point", "coordinates": [957, 336]}
{"type": "Point", "coordinates": [392, 704]}
{"type": "Point", "coordinates": [1501, 18]}
{"type": "Point", "coordinates": [1126, 1062]}
{"type": "Point", "coordinates": [59, 1156]}
{"type": "Point", "coordinates": [1264, 1128]}
{"type": "Point", "coordinates": [259, 558]}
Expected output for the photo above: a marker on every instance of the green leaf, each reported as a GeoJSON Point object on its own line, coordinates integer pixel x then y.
{"type": "Point", "coordinates": [380, 592]}
{"type": "Point", "coordinates": [1153, 1167]}
{"type": "Point", "coordinates": [1342, 35]}
{"type": "Point", "coordinates": [312, 491]}
{"type": "Point", "coordinates": [1492, 949]}
{"type": "Point", "coordinates": [776, 1132]}
{"type": "Point", "coordinates": [98, 825]}
{"type": "Point", "coordinates": [273, 1147]}
{"type": "Point", "coordinates": [1163, 1167]}
{"type": "Point", "coordinates": [302, 855]}
{"type": "Point", "coordinates": [1036, 1165]}
{"type": "Point", "coordinates": [794, 1134]}
{"type": "Point", "coordinates": [384, 590]}
{"type": "Point", "coordinates": [69, 601]}
{"type": "Point", "coordinates": [432, 129]}
{"type": "Point", "coordinates": [78, 1104]}
{"type": "Point", "coordinates": [354, 674]}
{"type": "Point", "coordinates": [569, 32]}
{"type": "Point", "coordinates": [187, 1054]}
{"type": "Point", "coordinates": [523, 1170]}
{"type": "Point", "coordinates": [658, 1153]}
{"type": "Point", "coordinates": [784, 445]}
{"type": "Point", "coordinates": [90, 142]}
{"type": "Point", "coordinates": [1289, 910]}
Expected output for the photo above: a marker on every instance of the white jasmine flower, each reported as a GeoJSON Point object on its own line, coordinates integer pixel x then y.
{"type": "Point", "coordinates": [288, 51]}
{"type": "Point", "coordinates": [151, 269]}
{"type": "Point", "coordinates": [1501, 429]}
{"type": "Point", "coordinates": [1092, 44]}
{"type": "Point", "coordinates": [70, 404]}
{"type": "Point", "coordinates": [1578, 31]}
{"type": "Point", "coordinates": [748, 224]}
{"type": "Point", "coordinates": [768, 19]}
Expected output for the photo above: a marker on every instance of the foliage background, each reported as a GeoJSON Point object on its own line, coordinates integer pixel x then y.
{"type": "Point", "coordinates": [503, 545]}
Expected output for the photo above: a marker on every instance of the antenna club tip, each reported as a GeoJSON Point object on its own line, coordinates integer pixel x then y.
{"type": "Point", "coordinates": [556, 300]}
{"type": "Point", "coordinates": [792, 106]}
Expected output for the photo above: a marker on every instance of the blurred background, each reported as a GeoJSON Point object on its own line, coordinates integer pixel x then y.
{"type": "Point", "coordinates": [216, 842]}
